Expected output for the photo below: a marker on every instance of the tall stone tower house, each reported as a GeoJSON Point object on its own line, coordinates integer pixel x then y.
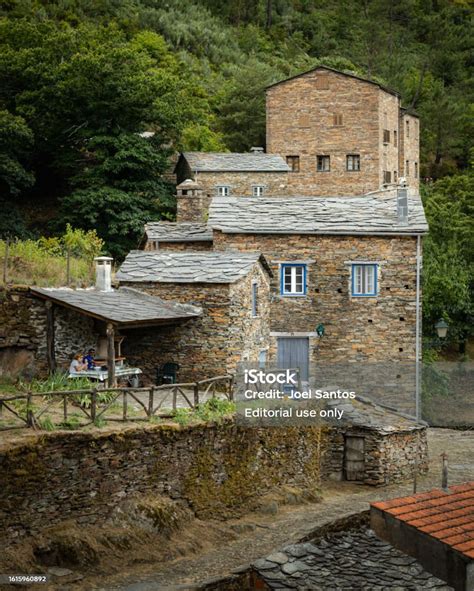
{"type": "Point", "coordinates": [341, 134]}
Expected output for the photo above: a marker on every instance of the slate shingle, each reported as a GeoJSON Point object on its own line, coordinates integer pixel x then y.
{"type": "Point", "coordinates": [122, 306]}
{"type": "Point", "coordinates": [178, 232]}
{"type": "Point", "coordinates": [235, 162]}
{"type": "Point", "coordinates": [187, 266]}
{"type": "Point", "coordinates": [374, 213]}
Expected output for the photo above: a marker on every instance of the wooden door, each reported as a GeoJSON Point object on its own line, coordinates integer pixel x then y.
{"type": "Point", "coordinates": [294, 353]}
{"type": "Point", "coordinates": [354, 458]}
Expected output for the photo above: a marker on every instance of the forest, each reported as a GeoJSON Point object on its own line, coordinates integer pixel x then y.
{"type": "Point", "coordinates": [81, 82]}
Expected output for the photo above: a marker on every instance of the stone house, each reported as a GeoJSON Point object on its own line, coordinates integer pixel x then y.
{"type": "Point", "coordinates": [232, 290]}
{"type": "Point", "coordinates": [341, 134]}
{"type": "Point", "coordinates": [345, 266]}
{"type": "Point", "coordinates": [202, 176]}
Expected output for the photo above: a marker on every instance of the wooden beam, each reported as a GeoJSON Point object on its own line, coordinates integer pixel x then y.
{"type": "Point", "coordinates": [50, 336]}
{"type": "Point", "coordinates": [111, 355]}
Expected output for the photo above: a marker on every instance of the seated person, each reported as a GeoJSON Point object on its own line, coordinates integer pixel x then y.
{"type": "Point", "coordinates": [88, 359]}
{"type": "Point", "coordinates": [76, 364]}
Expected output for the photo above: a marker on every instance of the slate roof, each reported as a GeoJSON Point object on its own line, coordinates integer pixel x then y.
{"type": "Point", "coordinates": [447, 516]}
{"type": "Point", "coordinates": [188, 266]}
{"type": "Point", "coordinates": [363, 412]}
{"type": "Point", "coordinates": [235, 162]}
{"type": "Point", "coordinates": [349, 74]}
{"type": "Point", "coordinates": [124, 306]}
{"type": "Point", "coordinates": [374, 213]}
{"type": "Point", "coordinates": [178, 232]}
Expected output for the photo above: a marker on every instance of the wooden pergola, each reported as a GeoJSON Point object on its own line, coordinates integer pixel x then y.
{"type": "Point", "coordinates": [120, 308]}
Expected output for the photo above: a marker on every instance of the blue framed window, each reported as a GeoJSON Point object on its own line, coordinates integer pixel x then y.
{"type": "Point", "coordinates": [364, 280]}
{"type": "Point", "coordinates": [293, 280]}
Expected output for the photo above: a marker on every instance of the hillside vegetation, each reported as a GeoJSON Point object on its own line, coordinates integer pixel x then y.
{"type": "Point", "coordinates": [81, 81]}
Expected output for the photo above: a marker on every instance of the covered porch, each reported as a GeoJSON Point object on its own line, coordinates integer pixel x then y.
{"type": "Point", "coordinates": [109, 315]}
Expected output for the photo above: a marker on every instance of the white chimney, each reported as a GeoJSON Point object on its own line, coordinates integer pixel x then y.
{"type": "Point", "coordinates": [402, 205]}
{"type": "Point", "coordinates": [256, 150]}
{"type": "Point", "coordinates": [103, 273]}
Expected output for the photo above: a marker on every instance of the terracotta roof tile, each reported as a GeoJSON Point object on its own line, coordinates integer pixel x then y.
{"type": "Point", "coordinates": [447, 516]}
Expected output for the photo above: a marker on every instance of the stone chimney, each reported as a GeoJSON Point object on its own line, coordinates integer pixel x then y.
{"type": "Point", "coordinates": [256, 150]}
{"type": "Point", "coordinates": [103, 273]}
{"type": "Point", "coordinates": [402, 203]}
{"type": "Point", "coordinates": [192, 203]}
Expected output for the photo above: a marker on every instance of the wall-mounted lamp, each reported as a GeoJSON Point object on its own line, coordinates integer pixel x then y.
{"type": "Point", "coordinates": [320, 330]}
{"type": "Point", "coordinates": [442, 328]}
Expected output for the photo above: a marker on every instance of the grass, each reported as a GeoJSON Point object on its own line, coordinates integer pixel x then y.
{"type": "Point", "coordinates": [29, 263]}
{"type": "Point", "coordinates": [214, 410]}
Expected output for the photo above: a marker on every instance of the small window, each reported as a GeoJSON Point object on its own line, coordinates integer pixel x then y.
{"type": "Point", "coordinates": [258, 190]}
{"type": "Point", "coordinates": [294, 163]}
{"type": "Point", "coordinates": [408, 128]}
{"type": "Point", "coordinates": [395, 139]}
{"type": "Point", "coordinates": [322, 82]}
{"type": "Point", "coordinates": [323, 163]}
{"type": "Point", "coordinates": [254, 300]}
{"type": "Point", "coordinates": [387, 177]}
{"type": "Point", "coordinates": [353, 162]}
{"type": "Point", "coordinates": [338, 119]}
{"type": "Point", "coordinates": [416, 170]}
{"type": "Point", "coordinates": [395, 176]}
{"type": "Point", "coordinates": [364, 280]}
{"type": "Point", "coordinates": [293, 280]}
{"type": "Point", "coordinates": [407, 168]}
{"type": "Point", "coordinates": [386, 136]}
{"type": "Point", "coordinates": [223, 191]}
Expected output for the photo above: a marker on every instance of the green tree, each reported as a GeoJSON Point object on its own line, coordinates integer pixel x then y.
{"type": "Point", "coordinates": [16, 140]}
{"type": "Point", "coordinates": [448, 260]}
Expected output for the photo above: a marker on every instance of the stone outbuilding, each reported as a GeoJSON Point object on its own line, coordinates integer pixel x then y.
{"type": "Point", "coordinates": [232, 289]}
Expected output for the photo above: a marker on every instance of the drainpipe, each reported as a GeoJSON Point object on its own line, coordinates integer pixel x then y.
{"type": "Point", "coordinates": [418, 328]}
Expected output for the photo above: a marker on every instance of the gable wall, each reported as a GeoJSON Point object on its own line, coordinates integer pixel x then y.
{"type": "Point", "coordinates": [207, 346]}
{"type": "Point", "coordinates": [300, 121]}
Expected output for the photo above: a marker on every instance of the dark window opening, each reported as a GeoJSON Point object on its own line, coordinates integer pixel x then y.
{"type": "Point", "coordinates": [323, 163]}
{"type": "Point", "coordinates": [294, 163]}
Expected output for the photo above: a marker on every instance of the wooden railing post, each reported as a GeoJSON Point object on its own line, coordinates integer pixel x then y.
{"type": "Point", "coordinates": [124, 405]}
{"type": "Point", "coordinates": [196, 394]}
{"type": "Point", "coordinates": [151, 399]}
{"type": "Point", "coordinates": [93, 404]}
{"type": "Point", "coordinates": [29, 410]}
{"type": "Point", "coordinates": [231, 388]}
{"type": "Point", "coordinates": [65, 406]}
{"type": "Point", "coordinates": [175, 396]}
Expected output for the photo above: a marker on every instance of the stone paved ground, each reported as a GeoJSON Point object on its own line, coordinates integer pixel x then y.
{"type": "Point", "coordinates": [355, 560]}
{"type": "Point", "coordinates": [261, 535]}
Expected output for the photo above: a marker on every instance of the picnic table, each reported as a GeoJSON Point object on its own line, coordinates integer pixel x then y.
{"type": "Point", "coordinates": [101, 375]}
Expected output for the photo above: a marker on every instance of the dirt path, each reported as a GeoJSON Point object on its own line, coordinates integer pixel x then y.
{"type": "Point", "coordinates": [263, 534]}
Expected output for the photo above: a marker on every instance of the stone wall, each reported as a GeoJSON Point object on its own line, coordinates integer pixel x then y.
{"type": "Point", "coordinates": [375, 329]}
{"type": "Point", "coordinates": [389, 457]}
{"type": "Point", "coordinates": [188, 245]}
{"type": "Point", "coordinates": [194, 207]}
{"type": "Point", "coordinates": [389, 118]}
{"type": "Point", "coordinates": [301, 121]}
{"type": "Point", "coordinates": [212, 344]}
{"type": "Point", "coordinates": [410, 148]}
{"type": "Point", "coordinates": [23, 333]}
{"type": "Point", "coordinates": [219, 471]}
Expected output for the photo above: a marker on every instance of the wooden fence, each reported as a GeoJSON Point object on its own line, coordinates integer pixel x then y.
{"type": "Point", "coordinates": [149, 400]}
